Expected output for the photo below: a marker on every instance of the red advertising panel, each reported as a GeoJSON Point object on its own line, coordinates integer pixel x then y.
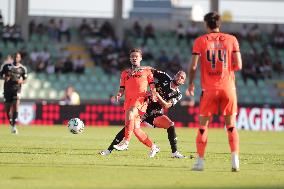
{"type": "Point", "coordinates": [254, 118]}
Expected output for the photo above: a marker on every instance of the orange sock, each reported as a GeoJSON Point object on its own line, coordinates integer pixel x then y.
{"type": "Point", "coordinates": [201, 140]}
{"type": "Point", "coordinates": [233, 138]}
{"type": "Point", "coordinates": [129, 126]}
{"type": "Point", "coordinates": [142, 137]}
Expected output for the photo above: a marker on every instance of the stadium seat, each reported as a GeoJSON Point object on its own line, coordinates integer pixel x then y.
{"type": "Point", "coordinates": [52, 94]}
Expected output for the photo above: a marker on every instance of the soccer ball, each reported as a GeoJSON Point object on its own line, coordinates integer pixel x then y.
{"type": "Point", "coordinates": [76, 126]}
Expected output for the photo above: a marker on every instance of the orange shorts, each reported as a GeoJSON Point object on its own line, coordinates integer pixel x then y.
{"type": "Point", "coordinates": [218, 101]}
{"type": "Point", "coordinates": [139, 102]}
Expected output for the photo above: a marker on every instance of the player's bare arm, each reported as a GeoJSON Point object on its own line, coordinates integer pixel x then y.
{"type": "Point", "coordinates": [237, 61]}
{"type": "Point", "coordinates": [21, 80]}
{"type": "Point", "coordinates": [6, 77]}
{"type": "Point", "coordinates": [191, 72]}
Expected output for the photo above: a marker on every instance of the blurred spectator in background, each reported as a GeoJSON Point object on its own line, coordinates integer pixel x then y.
{"type": "Point", "coordinates": [137, 30]}
{"type": "Point", "coordinates": [45, 55]}
{"type": "Point", "coordinates": [59, 66]}
{"type": "Point", "coordinates": [41, 29]}
{"type": "Point", "coordinates": [254, 33]}
{"type": "Point", "coordinates": [162, 61]}
{"type": "Point", "coordinates": [84, 28]}
{"type": "Point", "coordinates": [107, 30]}
{"type": "Point", "coordinates": [68, 65]}
{"type": "Point", "coordinates": [64, 30]}
{"type": "Point", "coordinates": [180, 32]}
{"type": "Point", "coordinates": [97, 52]}
{"type": "Point", "coordinates": [244, 32]}
{"type": "Point", "coordinates": [174, 64]}
{"type": "Point", "coordinates": [79, 64]}
{"type": "Point", "coordinates": [277, 37]}
{"type": "Point", "coordinates": [277, 66]}
{"type": "Point", "coordinates": [34, 56]}
{"type": "Point", "coordinates": [149, 32]}
{"type": "Point", "coordinates": [123, 60]}
{"type": "Point", "coordinates": [192, 32]}
{"type": "Point", "coordinates": [40, 65]}
{"type": "Point", "coordinates": [52, 29]}
{"type": "Point", "coordinates": [16, 35]}
{"type": "Point", "coordinates": [147, 54]}
{"type": "Point", "coordinates": [249, 69]}
{"type": "Point", "coordinates": [6, 34]}
{"type": "Point", "coordinates": [50, 68]}
{"type": "Point", "coordinates": [32, 27]}
{"type": "Point", "coordinates": [1, 20]}
{"type": "Point", "coordinates": [71, 97]}
{"type": "Point", "coordinates": [95, 29]}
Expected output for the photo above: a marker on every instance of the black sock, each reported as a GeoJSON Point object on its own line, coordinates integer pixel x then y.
{"type": "Point", "coordinates": [118, 138]}
{"type": "Point", "coordinates": [9, 117]}
{"type": "Point", "coordinates": [172, 138]}
{"type": "Point", "coordinates": [15, 118]}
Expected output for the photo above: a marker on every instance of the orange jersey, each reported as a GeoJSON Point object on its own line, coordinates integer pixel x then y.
{"type": "Point", "coordinates": [215, 51]}
{"type": "Point", "coordinates": [136, 82]}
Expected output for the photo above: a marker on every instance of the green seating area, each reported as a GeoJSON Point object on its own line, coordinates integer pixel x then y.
{"type": "Point", "coordinates": [92, 85]}
{"type": "Point", "coordinates": [96, 85]}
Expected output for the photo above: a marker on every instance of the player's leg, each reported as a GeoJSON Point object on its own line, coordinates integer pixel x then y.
{"type": "Point", "coordinates": [130, 118]}
{"type": "Point", "coordinates": [16, 106]}
{"type": "Point", "coordinates": [130, 115]}
{"type": "Point", "coordinates": [117, 139]}
{"type": "Point", "coordinates": [8, 110]}
{"type": "Point", "coordinates": [201, 142]}
{"type": "Point", "coordinates": [15, 110]}
{"type": "Point", "coordinates": [208, 107]}
{"type": "Point", "coordinates": [233, 138]}
{"type": "Point", "coordinates": [144, 138]}
{"type": "Point", "coordinates": [141, 135]}
{"type": "Point", "coordinates": [229, 110]}
{"type": "Point", "coordinates": [164, 121]}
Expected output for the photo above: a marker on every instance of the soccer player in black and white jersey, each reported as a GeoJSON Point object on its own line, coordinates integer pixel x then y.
{"type": "Point", "coordinates": [14, 75]}
{"type": "Point", "coordinates": [166, 95]}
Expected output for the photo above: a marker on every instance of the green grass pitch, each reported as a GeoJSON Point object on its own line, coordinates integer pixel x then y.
{"type": "Point", "coordinates": [51, 157]}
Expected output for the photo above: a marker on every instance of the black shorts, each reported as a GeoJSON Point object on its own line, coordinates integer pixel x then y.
{"type": "Point", "coordinates": [150, 119]}
{"type": "Point", "coordinates": [11, 96]}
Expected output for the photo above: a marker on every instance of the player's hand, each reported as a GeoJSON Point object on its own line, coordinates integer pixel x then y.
{"type": "Point", "coordinates": [6, 78]}
{"type": "Point", "coordinates": [118, 97]}
{"type": "Point", "coordinates": [190, 90]}
{"type": "Point", "coordinates": [20, 81]}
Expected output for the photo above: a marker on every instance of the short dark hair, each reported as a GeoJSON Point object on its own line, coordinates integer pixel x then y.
{"type": "Point", "coordinates": [213, 20]}
{"type": "Point", "coordinates": [15, 55]}
{"type": "Point", "coordinates": [136, 50]}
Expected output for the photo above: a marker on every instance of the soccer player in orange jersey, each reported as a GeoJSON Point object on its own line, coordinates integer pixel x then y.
{"type": "Point", "coordinates": [167, 94]}
{"type": "Point", "coordinates": [220, 57]}
{"type": "Point", "coordinates": [134, 83]}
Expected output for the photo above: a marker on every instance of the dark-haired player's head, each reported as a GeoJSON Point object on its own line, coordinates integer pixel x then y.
{"type": "Point", "coordinates": [212, 21]}
{"type": "Point", "coordinates": [17, 57]}
{"type": "Point", "coordinates": [135, 57]}
{"type": "Point", "coordinates": [180, 78]}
